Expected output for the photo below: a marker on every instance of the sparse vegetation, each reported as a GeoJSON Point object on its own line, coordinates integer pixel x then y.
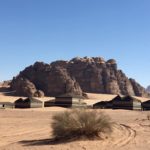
{"type": "Point", "coordinates": [79, 123]}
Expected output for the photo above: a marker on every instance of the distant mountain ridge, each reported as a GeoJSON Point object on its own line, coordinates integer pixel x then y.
{"type": "Point", "coordinates": [93, 75]}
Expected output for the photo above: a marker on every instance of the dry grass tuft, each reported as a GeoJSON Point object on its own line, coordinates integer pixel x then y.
{"type": "Point", "coordinates": [79, 123]}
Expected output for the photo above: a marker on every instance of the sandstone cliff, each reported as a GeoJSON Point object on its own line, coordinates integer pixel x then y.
{"type": "Point", "coordinates": [75, 76]}
{"type": "Point", "coordinates": [148, 89]}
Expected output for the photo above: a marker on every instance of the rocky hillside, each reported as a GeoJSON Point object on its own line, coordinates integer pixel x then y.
{"type": "Point", "coordinates": [148, 89]}
{"type": "Point", "coordinates": [94, 75]}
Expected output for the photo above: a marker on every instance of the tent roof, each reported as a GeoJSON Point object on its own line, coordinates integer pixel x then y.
{"type": "Point", "coordinates": [148, 101]}
{"type": "Point", "coordinates": [102, 102]}
{"type": "Point", "coordinates": [130, 98]}
{"type": "Point", "coordinates": [125, 98]}
{"type": "Point", "coordinates": [29, 99]}
{"type": "Point", "coordinates": [117, 98]}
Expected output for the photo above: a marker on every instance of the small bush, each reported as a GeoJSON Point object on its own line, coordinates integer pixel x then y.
{"type": "Point", "coordinates": [80, 123]}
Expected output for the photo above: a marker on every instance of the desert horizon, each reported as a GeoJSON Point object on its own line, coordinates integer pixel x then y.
{"type": "Point", "coordinates": [74, 75]}
{"type": "Point", "coordinates": [29, 104]}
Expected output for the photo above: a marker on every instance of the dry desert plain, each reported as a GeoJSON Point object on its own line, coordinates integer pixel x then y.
{"type": "Point", "coordinates": [30, 129]}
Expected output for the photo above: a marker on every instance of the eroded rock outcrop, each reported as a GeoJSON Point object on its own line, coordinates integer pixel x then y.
{"type": "Point", "coordinates": [148, 89]}
{"type": "Point", "coordinates": [138, 89]}
{"type": "Point", "coordinates": [76, 76]}
{"type": "Point", "coordinates": [41, 78]}
{"type": "Point", "coordinates": [24, 87]}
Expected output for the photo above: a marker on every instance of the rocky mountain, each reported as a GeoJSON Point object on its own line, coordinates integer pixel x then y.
{"type": "Point", "coordinates": [148, 89]}
{"type": "Point", "coordinates": [44, 79]}
{"type": "Point", "coordinates": [76, 76]}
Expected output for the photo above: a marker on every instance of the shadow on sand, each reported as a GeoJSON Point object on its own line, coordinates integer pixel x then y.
{"type": "Point", "coordinates": [46, 142]}
{"type": "Point", "coordinates": [55, 141]}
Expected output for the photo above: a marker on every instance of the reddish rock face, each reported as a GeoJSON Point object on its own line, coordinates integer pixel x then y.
{"type": "Point", "coordinates": [40, 79]}
{"type": "Point", "coordinates": [76, 76]}
{"type": "Point", "coordinates": [23, 87]}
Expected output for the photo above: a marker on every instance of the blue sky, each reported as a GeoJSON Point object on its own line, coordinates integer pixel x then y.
{"type": "Point", "coordinates": [47, 30]}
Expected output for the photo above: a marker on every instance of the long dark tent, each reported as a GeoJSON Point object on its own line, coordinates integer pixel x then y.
{"type": "Point", "coordinates": [126, 102]}
{"type": "Point", "coordinates": [49, 103]}
{"type": "Point", "coordinates": [68, 100]}
{"type": "Point", "coordinates": [146, 105]}
{"type": "Point", "coordinates": [103, 105]}
{"type": "Point", "coordinates": [28, 103]}
{"type": "Point", "coordinates": [106, 104]}
{"type": "Point", "coordinates": [20, 103]}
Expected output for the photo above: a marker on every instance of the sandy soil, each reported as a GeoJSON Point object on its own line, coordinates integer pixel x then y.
{"type": "Point", "coordinates": [4, 98]}
{"type": "Point", "coordinates": [30, 129]}
{"type": "Point", "coordinates": [93, 98]}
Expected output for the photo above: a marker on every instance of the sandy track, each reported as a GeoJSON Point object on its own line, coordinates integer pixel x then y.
{"type": "Point", "coordinates": [125, 135]}
{"type": "Point", "coordinates": [30, 130]}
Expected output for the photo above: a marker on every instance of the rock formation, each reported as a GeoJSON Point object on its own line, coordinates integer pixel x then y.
{"type": "Point", "coordinates": [76, 76]}
{"type": "Point", "coordinates": [138, 89]}
{"type": "Point", "coordinates": [40, 79]}
{"type": "Point", "coordinates": [148, 89]}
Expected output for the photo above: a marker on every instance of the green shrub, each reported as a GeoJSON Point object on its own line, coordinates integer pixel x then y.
{"type": "Point", "coordinates": [80, 123]}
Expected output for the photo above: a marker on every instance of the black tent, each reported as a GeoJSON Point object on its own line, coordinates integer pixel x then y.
{"type": "Point", "coordinates": [126, 102]}
{"type": "Point", "coordinates": [103, 105]}
{"type": "Point", "coordinates": [146, 105]}
{"type": "Point", "coordinates": [28, 103]}
{"type": "Point", "coordinates": [68, 100]}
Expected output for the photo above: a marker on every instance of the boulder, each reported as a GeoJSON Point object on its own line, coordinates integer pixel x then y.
{"type": "Point", "coordinates": [23, 87]}
{"type": "Point", "coordinates": [42, 79]}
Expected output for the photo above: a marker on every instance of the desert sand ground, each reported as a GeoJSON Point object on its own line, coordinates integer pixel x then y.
{"type": "Point", "coordinates": [30, 129]}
